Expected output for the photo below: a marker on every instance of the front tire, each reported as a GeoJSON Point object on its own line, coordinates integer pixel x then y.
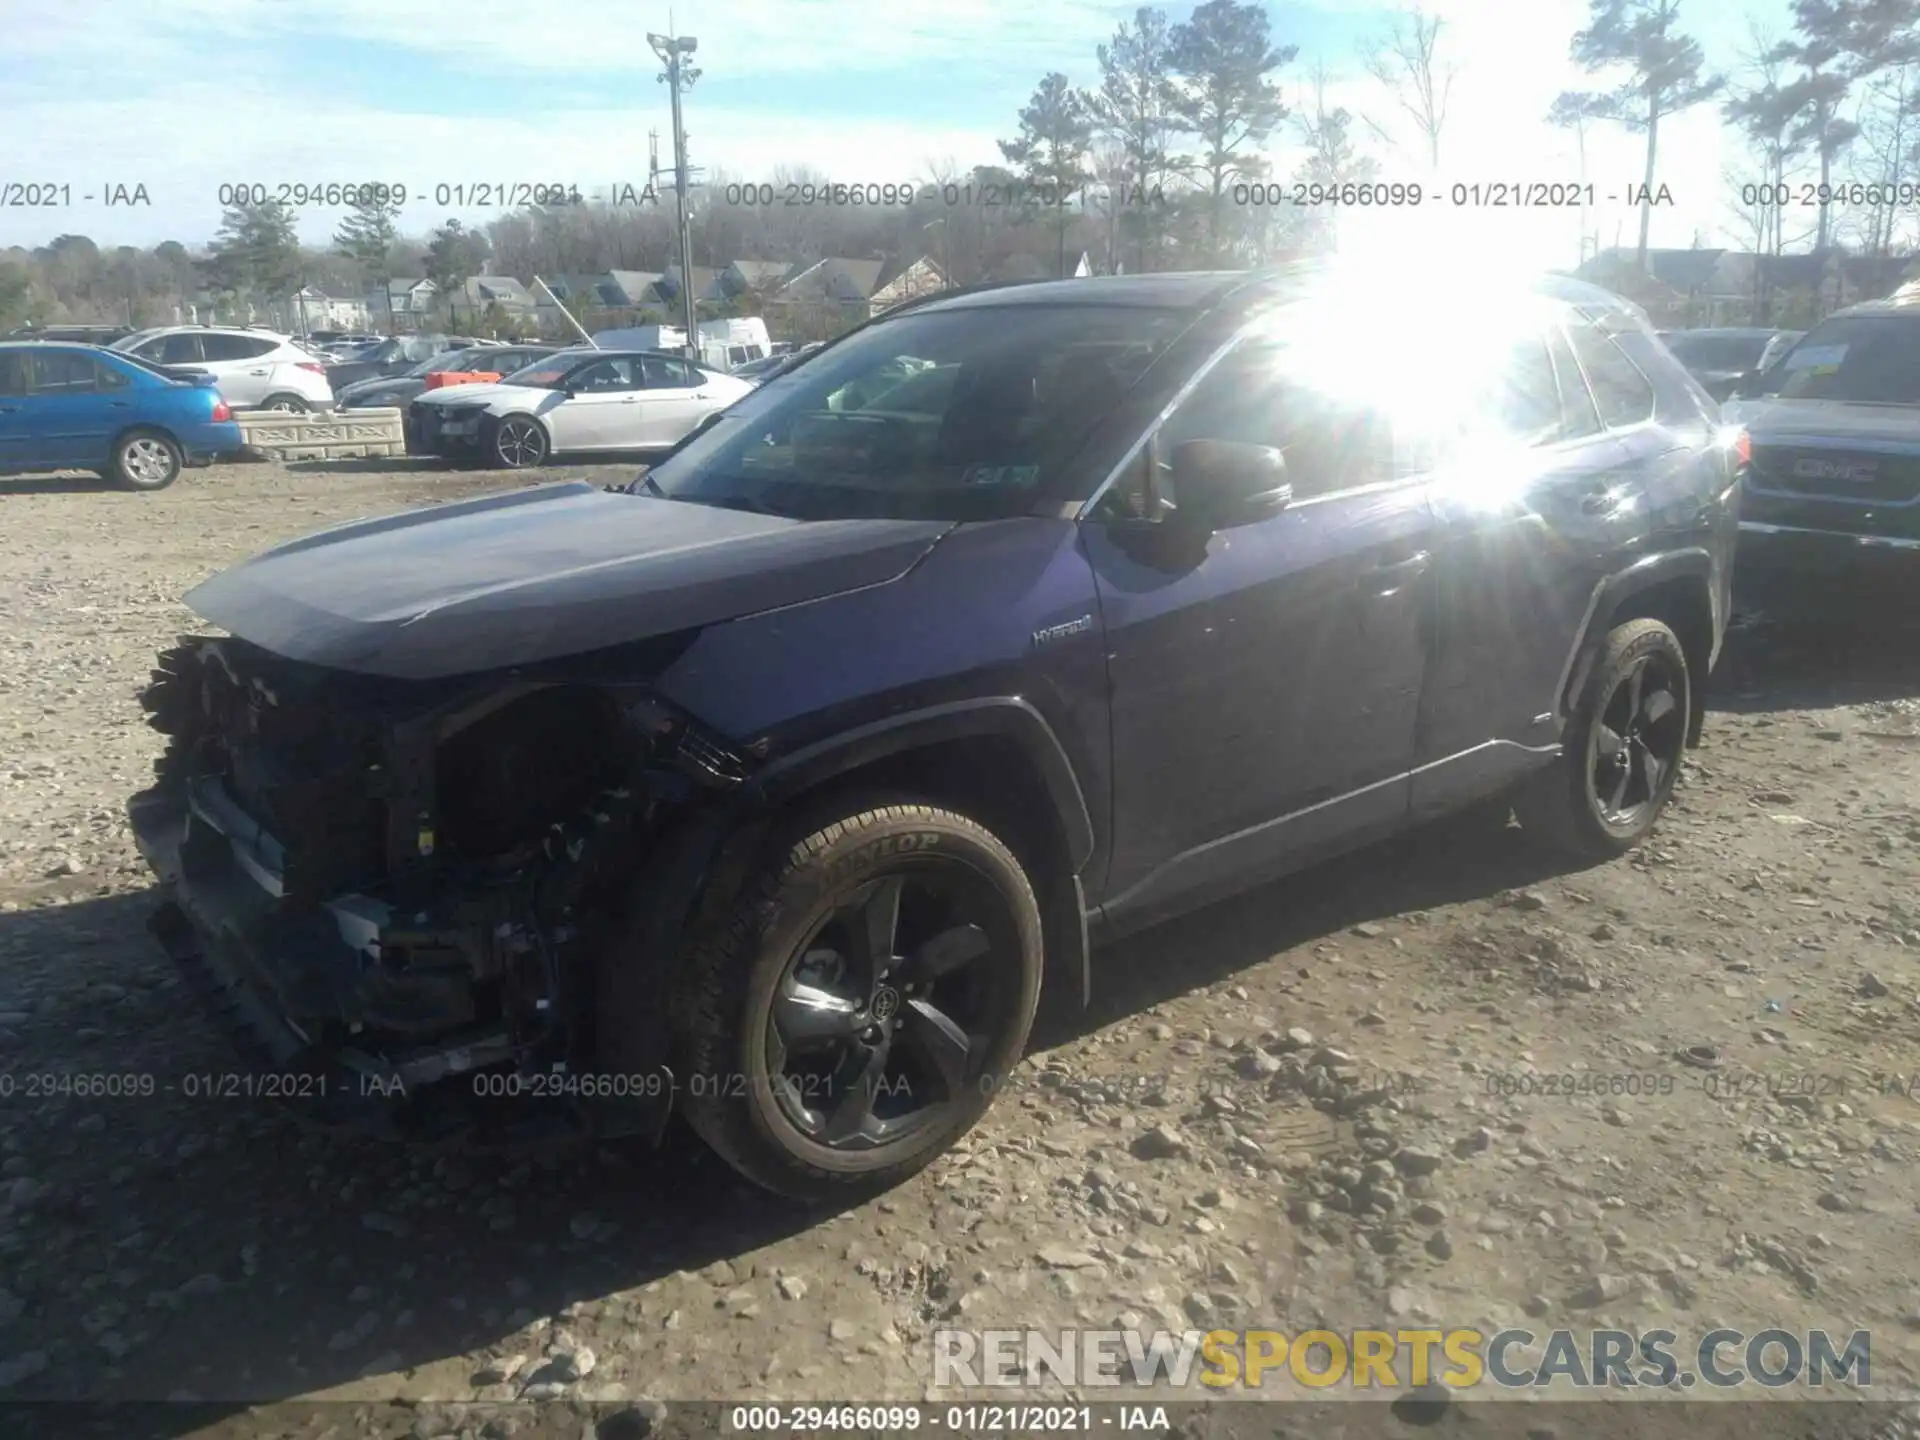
{"type": "Point", "coordinates": [857, 1009]}
{"type": "Point", "coordinates": [1622, 752]}
{"type": "Point", "coordinates": [145, 460]}
{"type": "Point", "coordinates": [515, 442]}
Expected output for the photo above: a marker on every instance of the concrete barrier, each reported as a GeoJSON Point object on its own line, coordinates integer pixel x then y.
{"type": "Point", "coordinates": [329, 435]}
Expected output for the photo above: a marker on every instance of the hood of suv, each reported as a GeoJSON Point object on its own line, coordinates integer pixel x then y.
{"type": "Point", "coordinates": [1840, 422]}
{"type": "Point", "coordinates": [539, 574]}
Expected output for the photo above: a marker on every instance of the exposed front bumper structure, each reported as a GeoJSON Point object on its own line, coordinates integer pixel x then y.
{"type": "Point", "coordinates": [314, 1001]}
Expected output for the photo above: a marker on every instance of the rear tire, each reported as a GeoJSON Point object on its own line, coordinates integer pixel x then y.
{"type": "Point", "coordinates": [285, 405]}
{"type": "Point", "coordinates": [1622, 751]}
{"type": "Point", "coordinates": [145, 460]}
{"type": "Point", "coordinates": [819, 1075]}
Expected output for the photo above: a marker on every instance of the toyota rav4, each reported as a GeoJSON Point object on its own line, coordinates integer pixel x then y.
{"type": "Point", "coordinates": [773, 788]}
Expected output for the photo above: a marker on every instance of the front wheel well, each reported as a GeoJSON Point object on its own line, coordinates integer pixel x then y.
{"type": "Point", "coordinates": [1684, 604]}
{"type": "Point", "coordinates": [991, 779]}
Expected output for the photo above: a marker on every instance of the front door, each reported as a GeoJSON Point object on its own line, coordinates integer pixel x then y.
{"type": "Point", "coordinates": [72, 414]}
{"type": "Point", "coordinates": [18, 445]}
{"type": "Point", "coordinates": [1265, 683]}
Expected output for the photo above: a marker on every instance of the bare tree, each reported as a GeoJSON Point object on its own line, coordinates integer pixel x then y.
{"type": "Point", "coordinates": [1889, 118]}
{"type": "Point", "coordinates": [1409, 65]}
{"type": "Point", "coordinates": [1663, 70]}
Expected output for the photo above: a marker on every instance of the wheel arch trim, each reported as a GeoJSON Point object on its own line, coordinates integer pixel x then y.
{"type": "Point", "coordinates": [1006, 717]}
{"type": "Point", "coordinates": [1690, 563]}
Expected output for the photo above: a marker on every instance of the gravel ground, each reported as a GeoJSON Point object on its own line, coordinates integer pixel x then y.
{"type": "Point", "coordinates": [1286, 1111]}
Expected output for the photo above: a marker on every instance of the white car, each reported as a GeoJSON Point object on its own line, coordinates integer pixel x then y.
{"type": "Point", "coordinates": [253, 369]}
{"type": "Point", "coordinates": [573, 402]}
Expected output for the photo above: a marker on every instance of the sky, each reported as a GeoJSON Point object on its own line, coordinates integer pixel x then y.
{"type": "Point", "coordinates": [183, 96]}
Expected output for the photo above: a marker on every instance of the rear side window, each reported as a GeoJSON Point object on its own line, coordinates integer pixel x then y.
{"type": "Point", "coordinates": [1621, 393]}
{"type": "Point", "coordinates": [1579, 417]}
{"type": "Point", "coordinates": [1523, 398]}
{"type": "Point", "coordinates": [13, 373]}
{"type": "Point", "coordinates": [661, 373]}
{"type": "Point", "coordinates": [235, 347]}
{"type": "Point", "coordinates": [64, 372]}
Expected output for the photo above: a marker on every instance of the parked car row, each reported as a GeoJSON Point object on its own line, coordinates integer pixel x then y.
{"type": "Point", "coordinates": [1720, 358]}
{"type": "Point", "coordinates": [253, 369]}
{"type": "Point", "coordinates": [67, 406]}
{"type": "Point", "coordinates": [495, 362]}
{"type": "Point", "coordinates": [1833, 495]}
{"type": "Point", "coordinates": [572, 402]}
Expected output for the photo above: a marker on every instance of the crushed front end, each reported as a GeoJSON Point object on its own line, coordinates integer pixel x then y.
{"type": "Point", "coordinates": [395, 893]}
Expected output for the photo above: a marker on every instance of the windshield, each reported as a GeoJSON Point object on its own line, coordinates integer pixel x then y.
{"type": "Point", "coordinates": [1866, 359]}
{"type": "Point", "coordinates": [956, 415]}
{"type": "Point", "coordinates": [543, 374]}
{"type": "Point", "coordinates": [1705, 350]}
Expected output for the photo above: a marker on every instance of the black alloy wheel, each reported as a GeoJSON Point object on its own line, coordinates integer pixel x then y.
{"type": "Point", "coordinates": [1638, 742]}
{"type": "Point", "coordinates": [859, 1002]}
{"type": "Point", "coordinates": [878, 1025]}
{"type": "Point", "coordinates": [1622, 749]}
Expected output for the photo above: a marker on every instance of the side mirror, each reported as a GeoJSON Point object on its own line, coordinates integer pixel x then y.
{"type": "Point", "coordinates": [1219, 483]}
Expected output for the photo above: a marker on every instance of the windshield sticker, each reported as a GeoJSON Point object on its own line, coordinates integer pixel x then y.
{"type": "Point", "coordinates": [1019, 477]}
{"type": "Point", "coordinates": [1825, 358]}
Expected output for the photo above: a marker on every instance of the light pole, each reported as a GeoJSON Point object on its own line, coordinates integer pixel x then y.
{"type": "Point", "coordinates": [946, 251]}
{"type": "Point", "coordinates": [673, 51]}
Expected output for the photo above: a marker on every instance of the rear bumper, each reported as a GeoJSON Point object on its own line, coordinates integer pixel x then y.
{"type": "Point", "coordinates": [201, 444]}
{"type": "Point", "coordinates": [295, 992]}
{"type": "Point", "coordinates": [1804, 550]}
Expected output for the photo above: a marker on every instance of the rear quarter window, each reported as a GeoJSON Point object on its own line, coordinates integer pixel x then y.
{"type": "Point", "coordinates": [1623, 395]}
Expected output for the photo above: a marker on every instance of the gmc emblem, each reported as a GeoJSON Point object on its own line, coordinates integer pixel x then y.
{"type": "Point", "coordinates": [1853, 470]}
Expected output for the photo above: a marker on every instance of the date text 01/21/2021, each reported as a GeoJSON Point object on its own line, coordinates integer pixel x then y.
{"type": "Point", "coordinates": [61, 194]}
{"type": "Point", "coordinates": [1461, 194]}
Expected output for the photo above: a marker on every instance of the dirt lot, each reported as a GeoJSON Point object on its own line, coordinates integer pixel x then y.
{"type": "Point", "coordinates": [207, 1249]}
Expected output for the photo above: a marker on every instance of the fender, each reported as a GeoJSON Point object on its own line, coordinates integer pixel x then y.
{"type": "Point", "coordinates": [1064, 912]}
{"type": "Point", "coordinates": [1006, 716]}
{"type": "Point", "coordinates": [1693, 562]}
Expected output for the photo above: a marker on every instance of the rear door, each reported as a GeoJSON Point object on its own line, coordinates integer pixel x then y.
{"type": "Point", "coordinates": [242, 364]}
{"type": "Point", "coordinates": [1523, 520]}
{"type": "Point", "coordinates": [672, 400]}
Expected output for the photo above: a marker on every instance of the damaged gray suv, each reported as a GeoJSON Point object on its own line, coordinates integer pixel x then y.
{"type": "Point", "coordinates": [774, 788]}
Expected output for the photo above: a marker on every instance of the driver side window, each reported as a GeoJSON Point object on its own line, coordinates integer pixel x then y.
{"type": "Point", "coordinates": [1330, 445]}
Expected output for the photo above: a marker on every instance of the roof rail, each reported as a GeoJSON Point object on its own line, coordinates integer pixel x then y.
{"type": "Point", "coordinates": [914, 301]}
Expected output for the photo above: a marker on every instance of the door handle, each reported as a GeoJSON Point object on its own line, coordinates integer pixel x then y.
{"type": "Point", "coordinates": [1405, 568]}
{"type": "Point", "coordinates": [9, 409]}
{"type": "Point", "coordinates": [120, 405]}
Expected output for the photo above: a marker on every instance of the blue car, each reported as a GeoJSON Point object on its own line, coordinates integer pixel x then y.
{"type": "Point", "coordinates": [79, 407]}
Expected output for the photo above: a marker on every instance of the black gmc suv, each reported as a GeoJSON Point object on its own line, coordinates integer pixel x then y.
{"type": "Point", "coordinates": [774, 786]}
